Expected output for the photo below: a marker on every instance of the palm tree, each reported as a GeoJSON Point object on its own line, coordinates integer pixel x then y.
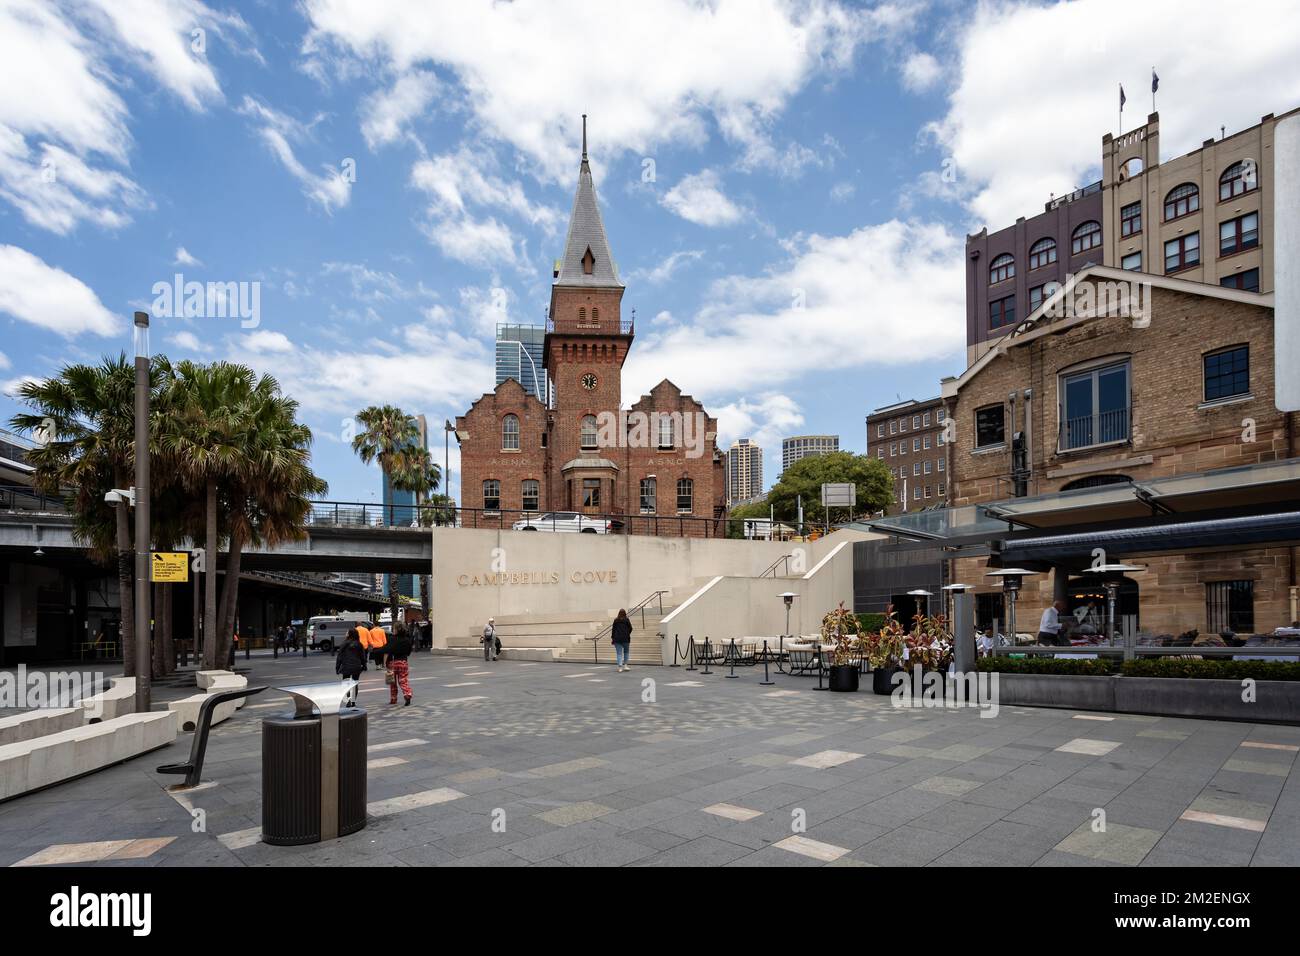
{"type": "Point", "coordinates": [91, 409]}
{"type": "Point", "coordinates": [391, 437]}
{"type": "Point", "coordinates": [203, 438]}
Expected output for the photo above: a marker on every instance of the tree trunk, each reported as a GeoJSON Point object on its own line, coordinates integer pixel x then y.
{"type": "Point", "coordinates": [167, 633]}
{"type": "Point", "coordinates": [229, 612]}
{"type": "Point", "coordinates": [210, 584]}
{"type": "Point", "coordinates": [125, 588]}
{"type": "Point", "coordinates": [159, 617]}
{"type": "Point", "coordinates": [392, 598]}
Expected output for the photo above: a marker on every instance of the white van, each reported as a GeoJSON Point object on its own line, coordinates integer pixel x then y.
{"type": "Point", "coordinates": [327, 631]}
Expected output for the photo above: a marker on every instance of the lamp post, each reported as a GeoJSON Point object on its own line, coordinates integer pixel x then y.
{"type": "Point", "coordinates": [1112, 576]}
{"type": "Point", "coordinates": [447, 429]}
{"type": "Point", "coordinates": [1011, 581]}
{"type": "Point", "coordinates": [143, 604]}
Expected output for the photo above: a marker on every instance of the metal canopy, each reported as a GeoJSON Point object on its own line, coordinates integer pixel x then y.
{"type": "Point", "coordinates": [1250, 487]}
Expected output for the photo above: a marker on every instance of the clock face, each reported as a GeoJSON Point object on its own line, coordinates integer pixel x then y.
{"type": "Point", "coordinates": [589, 382]}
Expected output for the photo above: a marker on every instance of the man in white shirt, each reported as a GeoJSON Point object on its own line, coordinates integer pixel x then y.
{"type": "Point", "coordinates": [1049, 628]}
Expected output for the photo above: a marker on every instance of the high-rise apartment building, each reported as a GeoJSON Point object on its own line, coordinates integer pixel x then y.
{"type": "Point", "coordinates": [909, 438]}
{"type": "Point", "coordinates": [801, 446]}
{"type": "Point", "coordinates": [744, 472]}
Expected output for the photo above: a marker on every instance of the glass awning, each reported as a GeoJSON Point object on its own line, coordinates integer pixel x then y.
{"type": "Point", "coordinates": [1242, 487]}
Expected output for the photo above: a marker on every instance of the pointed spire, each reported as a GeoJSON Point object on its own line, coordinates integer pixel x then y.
{"type": "Point", "coordinates": [587, 259]}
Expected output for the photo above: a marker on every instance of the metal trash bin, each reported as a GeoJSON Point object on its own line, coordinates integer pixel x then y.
{"type": "Point", "coordinates": [314, 768]}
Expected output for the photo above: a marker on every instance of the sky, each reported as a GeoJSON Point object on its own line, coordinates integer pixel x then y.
{"type": "Point", "coordinates": [365, 188]}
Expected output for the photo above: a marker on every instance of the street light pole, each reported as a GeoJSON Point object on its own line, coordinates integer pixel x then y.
{"type": "Point", "coordinates": [143, 603]}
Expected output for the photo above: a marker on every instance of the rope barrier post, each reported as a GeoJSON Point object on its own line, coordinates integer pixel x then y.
{"type": "Point", "coordinates": [690, 652]}
{"type": "Point", "coordinates": [677, 649]}
{"type": "Point", "coordinates": [732, 675]}
{"type": "Point", "coordinates": [820, 666]}
{"type": "Point", "coordinates": [708, 655]}
{"type": "Point", "coordinates": [767, 678]}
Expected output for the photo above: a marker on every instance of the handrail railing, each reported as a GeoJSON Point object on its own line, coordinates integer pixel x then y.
{"type": "Point", "coordinates": [772, 568]}
{"type": "Point", "coordinates": [639, 606]}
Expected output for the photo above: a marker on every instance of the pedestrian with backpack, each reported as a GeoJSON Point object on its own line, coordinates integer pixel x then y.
{"type": "Point", "coordinates": [397, 655]}
{"type": "Point", "coordinates": [621, 635]}
{"type": "Point", "coordinates": [491, 646]}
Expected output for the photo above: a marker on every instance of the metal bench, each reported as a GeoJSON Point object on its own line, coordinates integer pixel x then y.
{"type": "Point", "coordinates": [193, 768]}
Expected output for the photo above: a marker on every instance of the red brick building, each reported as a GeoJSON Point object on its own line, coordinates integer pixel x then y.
{"type": "Point", "coordinates": [656, 464]}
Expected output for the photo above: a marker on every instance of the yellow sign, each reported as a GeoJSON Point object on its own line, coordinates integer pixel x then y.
{"type": "Point", "coordinates": [170, 567]}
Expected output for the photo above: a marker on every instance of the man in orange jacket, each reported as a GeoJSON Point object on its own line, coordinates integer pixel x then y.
{"type": "Point", "coordinates": [378, 644]}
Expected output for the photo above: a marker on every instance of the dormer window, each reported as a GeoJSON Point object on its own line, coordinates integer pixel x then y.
{"type": "Point", "coordinates": [588, 262]}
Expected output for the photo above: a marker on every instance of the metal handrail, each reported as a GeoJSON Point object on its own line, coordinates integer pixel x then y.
{"type": "Point", "coordinates": [640, 606]}
{"type": "Point", "coordinates": [772, 568]}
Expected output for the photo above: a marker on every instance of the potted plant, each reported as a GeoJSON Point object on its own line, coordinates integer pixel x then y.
{"type": "Point", "coordinates": [883, 651]}
{"type": "Point", "coordinates": [840, 627]}
{"type": "Point", "coordinates": [929, 644]}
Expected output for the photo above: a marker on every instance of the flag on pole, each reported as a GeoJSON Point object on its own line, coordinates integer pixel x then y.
{"type": "Point", "coordinates": [1122, 98]}
{"type": "Point", "coordinates": [1155, 80]}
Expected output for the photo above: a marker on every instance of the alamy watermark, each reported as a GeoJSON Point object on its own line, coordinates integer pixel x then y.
{"type": "Point", "coordinates": [25, 689]}
{"type": "Point", "coordinates": [922, 688]}
{"type": "Point", "coordinates": [1129, 299]}
{"type": "Point", "coordinates": [209, 300]}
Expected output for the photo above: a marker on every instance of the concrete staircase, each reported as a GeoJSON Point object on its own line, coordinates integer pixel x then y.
{"type": "Point", "coordinates": [533, 637]}
{"type": "Point", "coordinates": [646, 646]}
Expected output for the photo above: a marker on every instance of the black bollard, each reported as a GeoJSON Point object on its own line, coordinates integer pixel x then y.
{"type": "Point", "coordinates": [767, 679]}
{"type": "Point", "coordinates": [820, 669]}
{"type": "Point", "coordinates": [732, 675]}
{"type": "Point", "coordinates": [707, 655]}
{"type": "Point", "coordinates": [677, 649]}
{"type": "Point", "coordinates": [690, 652]}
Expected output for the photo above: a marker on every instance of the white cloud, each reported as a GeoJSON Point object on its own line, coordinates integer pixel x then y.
{"type": "Point", "coordinates": [669, 268]}
{"type": "Point", "coordinates": [327, 188]}
{"type": "Point", "coordinates": [764, 420]}
{"type": "Point", "coordinates": [699, 199]}
{"type": "Point", "coordinates": [189, 342]}
{"type": "Point", "coordinates": [888, 294]}
{"type": "Point", "coordinates": [648, 74]}
{"type": "Point", "coordinates": [46, 296]}
{"type": "Point", "coordinates": [4, 361]}
{"type": "Point", "coordinates": [1021, 128]}
{"type": "Point", "coordinates": [386, 113]}
{"type": "Point", "coordinates": [62, 118]}
{"type": "Point", "coordinates": [921, 72]}
{"type": "Point", "coordinates": [843, 191]}
{"type": "Point", "coordinates": [263, 342]}
{"type": "Point", "coordinates": [183, 258]}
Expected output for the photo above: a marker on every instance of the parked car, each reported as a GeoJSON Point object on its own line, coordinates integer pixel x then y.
{"type": "Point", "coordinates": [569, 521]}
{"type": "Point", "coordinates": [327, 631]}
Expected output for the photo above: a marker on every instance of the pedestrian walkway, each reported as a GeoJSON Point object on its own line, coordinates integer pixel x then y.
{"type": "Point", "coordinates": [529, 763]}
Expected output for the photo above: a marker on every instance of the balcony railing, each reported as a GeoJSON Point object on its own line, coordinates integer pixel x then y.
{"type": "Point", "coordinates": [1099, 428]}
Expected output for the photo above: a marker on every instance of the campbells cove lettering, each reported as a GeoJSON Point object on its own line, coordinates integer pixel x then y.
{"type": "Point", "coordinates": [594, 577]}
{"type": "Point", "coordinates": [499, 578]}
{"type": "Point", "coordinates": [74, 908]}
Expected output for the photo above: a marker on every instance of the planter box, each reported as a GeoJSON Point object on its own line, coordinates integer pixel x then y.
{"type": "Point", "coordinates": [1275, 701]}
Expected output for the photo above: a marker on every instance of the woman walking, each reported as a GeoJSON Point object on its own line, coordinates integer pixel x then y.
{"type": "Point", "coordinates": [351, 660]}
{"type": "Point", "coordinates": [397, 664]}
{"type": "Point", "coordinates": [621, 632]}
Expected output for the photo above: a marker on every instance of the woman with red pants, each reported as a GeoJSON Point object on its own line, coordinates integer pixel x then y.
{"type": "Point", "coordinates": [396, 661]}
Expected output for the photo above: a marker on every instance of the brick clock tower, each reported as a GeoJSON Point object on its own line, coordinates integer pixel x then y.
{"type": "Point", "coordinates": [519, 455]}
{"type": "Point", "coordinates": [586, 345]}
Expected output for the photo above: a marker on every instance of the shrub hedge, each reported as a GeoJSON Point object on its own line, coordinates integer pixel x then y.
{"type": "Point", "coordinates": [1211, 669]}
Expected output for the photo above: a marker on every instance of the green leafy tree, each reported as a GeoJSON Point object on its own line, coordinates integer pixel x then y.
{"type": "Point", "coordinates": [807, 475]}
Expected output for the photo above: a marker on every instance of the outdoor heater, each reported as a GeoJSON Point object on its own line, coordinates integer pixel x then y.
{"type": "Point", "coordinates": [921, 594]}
{"type": "Point", "coordinates": [788, 597]}
{"type": "Point", "coordinates": [952, 591]}
{"type": "Point", "coordinates": [1011, 580]}
{"type": "Point", "coordinates": [1112, 576]}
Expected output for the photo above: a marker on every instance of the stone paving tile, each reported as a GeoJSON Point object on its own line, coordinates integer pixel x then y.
{"type": "Point", "coordinates": [1116, 844]}
{"type": "Point", "coordinates": [706, 851]}
{"type": "Point", "coordinates": [574, 813]}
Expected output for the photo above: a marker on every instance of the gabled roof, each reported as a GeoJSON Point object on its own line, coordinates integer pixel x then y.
{"type": "Point", "coordinates": [1035, 323]}
{"type": "Point", "coordinates": [586, 232]}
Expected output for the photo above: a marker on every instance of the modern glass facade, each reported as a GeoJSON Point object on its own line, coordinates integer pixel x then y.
{"type": "Point", "coordinates": [519, 356]}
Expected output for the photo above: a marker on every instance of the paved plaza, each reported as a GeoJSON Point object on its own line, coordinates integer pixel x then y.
{"type": "Point", "coordinates": [574, 768]}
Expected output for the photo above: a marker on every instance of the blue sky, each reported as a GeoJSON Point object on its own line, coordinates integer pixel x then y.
{"type": "Point", "coordinates": [786, 186]}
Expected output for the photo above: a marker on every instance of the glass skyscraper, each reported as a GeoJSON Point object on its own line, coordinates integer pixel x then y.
{"type": "Point", "coordinates": [519, 356]}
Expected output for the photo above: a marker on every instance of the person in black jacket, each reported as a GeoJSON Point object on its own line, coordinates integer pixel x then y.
{"type": "Point", "coordinates": [621, 634]}
{"type": "Point", "coordinates": [351, 660]}
{"type": "Point", "coordinates": [397, 663]}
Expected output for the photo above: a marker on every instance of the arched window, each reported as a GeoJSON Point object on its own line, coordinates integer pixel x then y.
{"type": "Point", "coordinates": [685, 494]}
{"type": "Point", "coordinates": [491, 495]}
{"type": "Point", "coordinates": [665, 430]}
{"type": "Point", "coordinates": [1182, 200]}
{"type": "Point", "coordinates": [582, 315]}
{"type": "Point", "coordinates": [1087, 236]}
{"type": "Point", "coordinates": [510, 433]}
{"type": "Point", "coordinates": [531, 494]}
{"type": "Point", "coordinates": [595, 314]}
{"type": "Point", "coordinates": [1042, 253]}
{"type": "Point", "coordinates": [1240, 177]}
{"type": "Point", "coordinates": [588, 431]}
{"type": "Point", "coordinates": [1002, 268]}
